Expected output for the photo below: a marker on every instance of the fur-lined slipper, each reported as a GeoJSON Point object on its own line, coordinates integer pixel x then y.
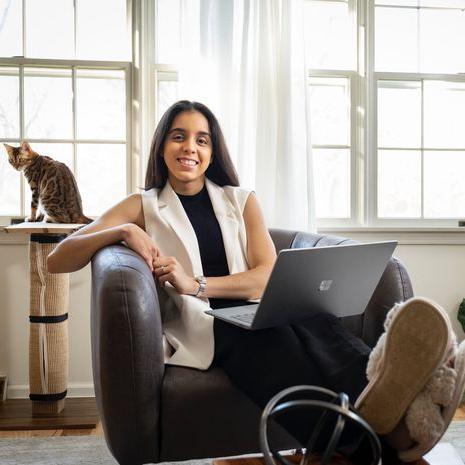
{"type": "Point", "coordinates": [432, 411]}
{"type": "Point", "coordinates": [417, 341]}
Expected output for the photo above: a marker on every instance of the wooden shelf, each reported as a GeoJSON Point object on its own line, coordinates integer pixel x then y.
{"type": "Point", "coordinates": [41, 228]}
{"type": "Point", "coordinates": [79, 412]}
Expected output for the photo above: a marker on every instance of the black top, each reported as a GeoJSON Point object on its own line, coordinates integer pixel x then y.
{"type": "Point", "coordinates": [199, 210]}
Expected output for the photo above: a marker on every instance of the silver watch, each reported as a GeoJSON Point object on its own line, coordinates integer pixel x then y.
{"type": "Point", "coordinates": [202, 280]}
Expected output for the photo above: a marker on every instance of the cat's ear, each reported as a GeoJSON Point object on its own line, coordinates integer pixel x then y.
{"type": "Point", "coordinates": [8, 148]}
{"type": "Point", "coordinates": [25, 147]}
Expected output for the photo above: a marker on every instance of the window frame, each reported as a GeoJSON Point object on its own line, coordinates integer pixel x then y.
{"type": "Point", "coordinates": [21, 62]}
{"type": "Point", "coordinates": [372, 77]}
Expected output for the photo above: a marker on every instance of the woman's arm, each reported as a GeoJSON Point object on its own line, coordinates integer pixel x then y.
{"type": "Point", "coordinates": [123, 222]}
{"type": "Point", "coordinates": [249, 284]}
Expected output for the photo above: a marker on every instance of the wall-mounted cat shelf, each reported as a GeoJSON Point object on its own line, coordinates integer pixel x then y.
{"type": "Point", "coordinates": [42, 228]}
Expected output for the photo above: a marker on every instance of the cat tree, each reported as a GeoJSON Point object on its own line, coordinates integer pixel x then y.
{"type": "Point", "coordinates": [49, 303]}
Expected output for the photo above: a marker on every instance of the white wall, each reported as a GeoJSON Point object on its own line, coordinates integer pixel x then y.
{"type": "Point", "coordinates": [435, 261]}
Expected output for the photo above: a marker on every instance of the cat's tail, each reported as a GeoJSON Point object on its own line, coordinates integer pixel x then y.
{"type": "Point", "coordinates": [84, 219]}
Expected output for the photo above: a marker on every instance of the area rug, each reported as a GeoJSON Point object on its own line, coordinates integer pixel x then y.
{"type": "Point", "coordinates": [92, 450]}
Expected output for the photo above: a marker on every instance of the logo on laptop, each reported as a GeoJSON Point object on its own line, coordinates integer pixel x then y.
{"type": "Point", "coordinates": [325, 285]}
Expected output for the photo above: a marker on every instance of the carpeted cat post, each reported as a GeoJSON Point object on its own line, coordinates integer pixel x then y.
{"type": "Point", "coordinates": [48, 341]}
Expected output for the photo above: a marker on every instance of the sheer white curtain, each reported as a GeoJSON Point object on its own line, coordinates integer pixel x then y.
{"type": "Point", "coordinates": [245, 59]}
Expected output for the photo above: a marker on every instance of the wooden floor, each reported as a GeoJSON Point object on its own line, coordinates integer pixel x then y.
{"type": "Point", "coordinates": [52, 432]}
{"type": "Point", "coordinates": [460, 415]}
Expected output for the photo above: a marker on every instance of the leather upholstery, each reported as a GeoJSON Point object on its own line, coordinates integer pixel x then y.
{"type": "Point", "coordinates": [153, 413]}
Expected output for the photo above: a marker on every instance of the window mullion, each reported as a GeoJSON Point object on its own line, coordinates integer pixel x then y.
{"type": "Point", "coordinates": [24, 27]}
{"type": "Point", "coordinates": [371, 142]}
{"type": "Point", "coordinates": [75, 28]}
{"type": "Point", "coordinates": [21, 134]}
{"type": "Point", "coordinates": [359, 118]}
{"type": "Point", "coordinates": [132, 162]}
{"type": "Point", "coordinates": [74, 84]}
{"type": "Point", "coordinates": [422, 152]}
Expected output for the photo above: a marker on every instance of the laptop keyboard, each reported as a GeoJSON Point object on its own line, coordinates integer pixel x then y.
{"type": "Point", "coordinates": [245, 317]}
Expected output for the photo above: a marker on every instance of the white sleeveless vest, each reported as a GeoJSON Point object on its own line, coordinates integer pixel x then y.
{"type": "Point", "coordinates": [188, 338]}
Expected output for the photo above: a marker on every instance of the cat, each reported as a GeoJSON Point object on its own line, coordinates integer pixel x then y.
{"type": "Point", "coordinates": [52, 184]}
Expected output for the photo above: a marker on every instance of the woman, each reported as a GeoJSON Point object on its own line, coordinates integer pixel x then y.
{"type": "Point", "coordinates": [205, 240]}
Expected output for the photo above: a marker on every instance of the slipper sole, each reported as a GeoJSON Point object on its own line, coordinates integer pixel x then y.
{"type": "Point", "coordinates": [415, 347]}
{"type": "Point", "coordinates": [417, 452]}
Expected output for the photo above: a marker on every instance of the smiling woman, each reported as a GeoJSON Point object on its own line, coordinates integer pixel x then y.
{"type": "Point", "coordinates": [188, 127]}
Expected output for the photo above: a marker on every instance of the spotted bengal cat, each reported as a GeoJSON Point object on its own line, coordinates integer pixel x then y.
{"type": "Point", "coordinates": [53, 186]}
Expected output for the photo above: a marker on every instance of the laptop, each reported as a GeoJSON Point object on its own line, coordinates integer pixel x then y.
{"type": "Point", "coordinates": [336, 279]}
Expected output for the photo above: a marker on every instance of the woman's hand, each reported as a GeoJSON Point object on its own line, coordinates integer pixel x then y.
{"type": "Point", "coordinates": [139, 241]}
{"type": "Point", "coordinates": [168, 269]}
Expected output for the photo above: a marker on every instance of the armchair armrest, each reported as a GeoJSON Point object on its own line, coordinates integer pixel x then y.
{"type": "Point", "coordinates": [127, 353]}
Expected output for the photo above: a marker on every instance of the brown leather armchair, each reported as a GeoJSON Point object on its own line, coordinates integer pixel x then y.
{"type": "Point", "coordinates": [154, 413]}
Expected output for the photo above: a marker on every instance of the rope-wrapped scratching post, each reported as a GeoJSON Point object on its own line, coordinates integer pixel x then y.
{"type": "Point", "coordinates": [48, 340]}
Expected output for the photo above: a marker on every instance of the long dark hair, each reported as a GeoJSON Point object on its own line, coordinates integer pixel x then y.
{"type": "Point", "coordinates": [221, 171]}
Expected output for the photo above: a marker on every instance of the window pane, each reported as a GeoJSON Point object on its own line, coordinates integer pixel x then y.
{"type": "Point", "coordinates": [101, 176]}
{"type": "Point", "coordinates": [10, 185]}
{"type": "Point", "coordinates": [332, 182]}
{"type": "Point", "coordinates": [399, 183]}
{"type": "Point", "coordinates": [11, 29]}
{"type": "Point", "coordinates": [168, 31]}
{"type": "Point", "coordinates": [59, 152]}
{"type": "Point", "coordinates": [329, 35]}
{"type": "Point", "coordinates": [9, 103]}
{"type": "Point", "coordinates": [102, 30]}
{"type": "Point", "coordinates": [444, 114]}
{"type": "Point", "coordinates": [50, 28]}
{"type": "Point", "coordinates": [442, 41]}
{"type": "Point", "coordinates": [396, 42]}
{"type": "Point", "coordinates": [48, 100]}
{"type": "Point", "coordinates": [399, 114]}
{"type": "Point", "coordinates": [167, 95]}
{"type": "Point", "coordinates": [101, 105]}
{"type": "Point", "coordinates": [330, 111]}
{"type": "Point", "coordinates": [444, 185]}
{"type": "Point", "coordinates": [420, 39]}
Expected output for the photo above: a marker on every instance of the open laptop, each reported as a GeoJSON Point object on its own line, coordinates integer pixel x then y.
{"type": "Point", "coordinates": [337, 279]}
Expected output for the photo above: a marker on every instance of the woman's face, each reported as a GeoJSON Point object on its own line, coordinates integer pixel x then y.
{"type": "Point", "coordinates": [188, 152]}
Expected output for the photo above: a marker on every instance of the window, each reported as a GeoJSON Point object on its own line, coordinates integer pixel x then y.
{"type": "Point", "coordinates": [331, 47]}
{"type": "Point", "coordinates": [387, 89]}
{"type": "Point", "coordinates": [64, 87]}
{"type": "Point", "coordinates": [419, 86]}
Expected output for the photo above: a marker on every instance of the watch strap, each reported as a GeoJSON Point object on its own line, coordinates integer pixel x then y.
{"type": "Point", "coordinates": [202, 284]}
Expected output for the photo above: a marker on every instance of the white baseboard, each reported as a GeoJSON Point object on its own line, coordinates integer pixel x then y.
{"type": "Point", "coordinates": [21, 391]}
